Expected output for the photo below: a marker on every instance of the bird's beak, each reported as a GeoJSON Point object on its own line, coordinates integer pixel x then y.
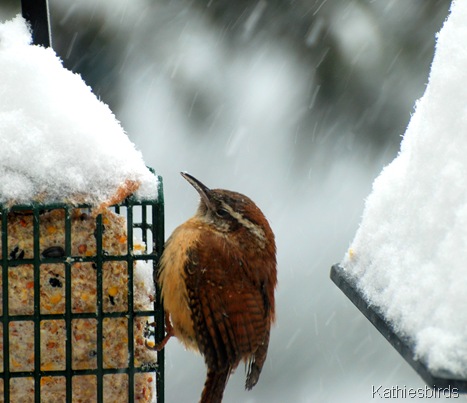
{"type": "Point", "coordinates": [202, 189]}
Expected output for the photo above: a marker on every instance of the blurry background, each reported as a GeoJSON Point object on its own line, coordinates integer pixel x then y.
{"type": "Point", "coordinates": [296, 103]}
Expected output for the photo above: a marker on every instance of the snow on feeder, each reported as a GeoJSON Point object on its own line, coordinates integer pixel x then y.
{"type": "Point", "coordinates": [406, 269]}
{"type": "Point", "coordinates": [81, 220]}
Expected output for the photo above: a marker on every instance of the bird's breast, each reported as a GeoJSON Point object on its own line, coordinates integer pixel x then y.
{"type": "Point", "coordinates": [172, 277]}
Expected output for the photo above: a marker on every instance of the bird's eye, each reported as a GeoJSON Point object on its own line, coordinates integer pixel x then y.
{"type": "Point", "coordinates": [222, 212]}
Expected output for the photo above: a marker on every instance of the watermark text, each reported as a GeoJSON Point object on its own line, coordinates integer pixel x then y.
{"type": "Point", "coordinates": [404, 392]}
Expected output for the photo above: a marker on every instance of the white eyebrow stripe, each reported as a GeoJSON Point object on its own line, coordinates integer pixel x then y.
{"type": "Point", "coordinates": [253, 228]}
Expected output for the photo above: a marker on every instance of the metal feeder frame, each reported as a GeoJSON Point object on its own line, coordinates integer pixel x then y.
{"type": "Point", "coordinates": [151, 228]}
{"type": "Point", "coordinates": [403, 345]}
{"type": "Point", "coordinates": [36, 12]}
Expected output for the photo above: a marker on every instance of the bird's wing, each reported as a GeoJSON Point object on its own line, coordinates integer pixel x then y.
{"type": "Point", "coordinates": [229, 311]}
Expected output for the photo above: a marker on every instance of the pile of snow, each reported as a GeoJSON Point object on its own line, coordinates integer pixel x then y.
{"type": "Point", "coordinates": [58, 142]}
{"type": "Point", "coordinates": [409, 256]}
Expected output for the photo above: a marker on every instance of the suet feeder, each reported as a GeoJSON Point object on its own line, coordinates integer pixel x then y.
{"type": "Point", "coordinates": [71, 325]}
{"type": "Point", "coordinates": [78, 296]}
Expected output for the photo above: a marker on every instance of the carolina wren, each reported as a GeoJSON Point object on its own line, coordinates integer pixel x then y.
{"type": "Point", "coordinates": [217, 275]}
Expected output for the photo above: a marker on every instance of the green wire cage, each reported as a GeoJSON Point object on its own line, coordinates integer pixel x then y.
{"type": "Point", "coordinates": [75, 309]}
{"type": "Point", "coordinates": [78, 294]}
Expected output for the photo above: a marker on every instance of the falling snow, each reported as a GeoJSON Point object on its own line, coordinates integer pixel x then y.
{"type": "Point", "coordinates": [185, 79]}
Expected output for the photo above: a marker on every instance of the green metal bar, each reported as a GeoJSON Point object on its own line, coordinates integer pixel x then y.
{"type": "Point", "coordinates": [64, 260]}
{"type": "Point", "coordinates": [159, 317]}
{"type": "Point", "coordinates": [84, 315]}
{"type": "Point", "coordinates": [68, 311]}
{"type": "Point", "coordinates": [105, 371]}
{"type": "Point", "coordinates": [37, 307]}
{"type": "Point", "coordinates": [5, 308]}
{"type": "Point", "coordinates": [99, 348]}
{"type": "Point", "coordinates": [131, 338]}
{"type": "Point", "coordinates": [144, 226]}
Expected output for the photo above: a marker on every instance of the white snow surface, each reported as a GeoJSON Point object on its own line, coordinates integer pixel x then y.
{"type": "Point", "coordinates": [58, 142]}
{"type": "Point", "coordinates": [409, 255]}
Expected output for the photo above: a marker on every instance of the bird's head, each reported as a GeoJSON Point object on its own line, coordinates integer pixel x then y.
{"type": "Point", "coordinates": [229, 212]}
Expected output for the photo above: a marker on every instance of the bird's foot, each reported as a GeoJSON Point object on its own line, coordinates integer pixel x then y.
{"type": "Point", "coordinates": [169, 332]}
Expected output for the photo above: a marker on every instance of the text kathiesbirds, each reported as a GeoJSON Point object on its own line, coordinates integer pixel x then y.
{"type": "Point", "coordinates": [218, 275]}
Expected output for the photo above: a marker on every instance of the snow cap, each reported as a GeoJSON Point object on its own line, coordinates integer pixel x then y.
{"type": "Point", "coordinates": [58, 142]}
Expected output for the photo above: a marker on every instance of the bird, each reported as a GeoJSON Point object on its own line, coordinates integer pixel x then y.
{"type": "Point", "coordinates": [217, 276]}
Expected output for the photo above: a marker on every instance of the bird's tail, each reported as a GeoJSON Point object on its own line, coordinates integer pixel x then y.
{"type": "Point", "coordinates": [256, 362]}
{"type": "Point", "coordinates": [214, 386]}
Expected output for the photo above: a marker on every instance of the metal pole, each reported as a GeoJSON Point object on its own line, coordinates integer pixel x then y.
{"type": "Point", "coordinates": [36, 12]}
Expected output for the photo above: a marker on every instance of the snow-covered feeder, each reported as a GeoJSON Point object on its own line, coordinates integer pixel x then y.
{"type": "Point", "coordinates": [81, 221]}
{"type": "Point", "coordinates": [406, 268]}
